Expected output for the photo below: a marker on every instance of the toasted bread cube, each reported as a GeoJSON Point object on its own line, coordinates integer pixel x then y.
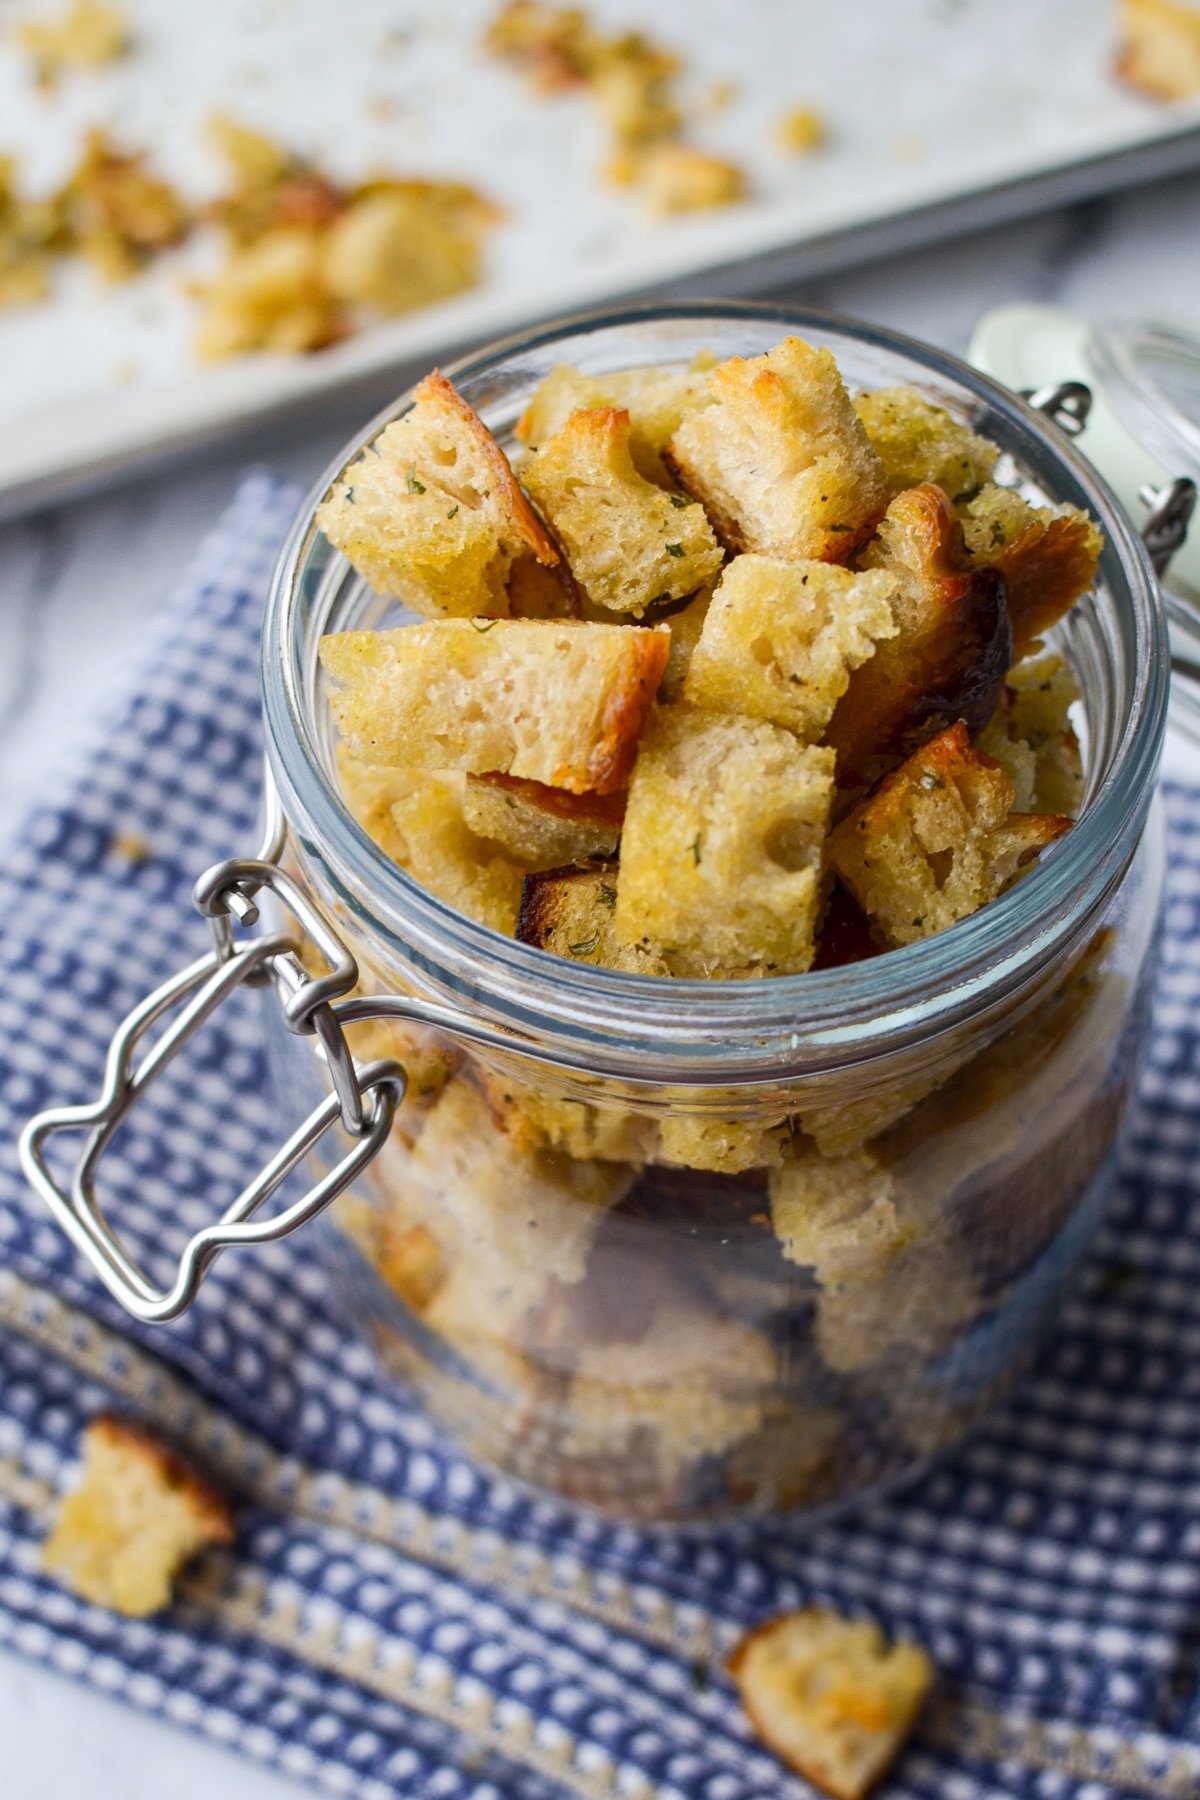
{"type": "Point", "coordinates": [780, 640]}
{"type": "Point", "coordinates": [781, 461]}
{"type": "Point", "coordinates": [557, 702]}
{"type": "Point", "coordinates": [628, 544]}
{"type": "Point", "coordinates": [936, 841]}
{"type": "Point", "coordinates": [138, 1516]}
{"type": "Point", "coordinates": [917, 442]}
{"type": "Point", "coordinates": [402, 244]}
{"type": "Point", "coordinates": [721, 852]}
{"type": "Point", "coordinates": [572, 913]}
{"type": "Point", "coordinates": [543, 827]}
{"type": "Point", "coordinates": [431, 512]}
{"type": "Point", "coordinates": [537, 1118]}
{"type": "Point", "coordinates": [1160, 49]}
{"type": "Point", "coordinates": [1032, 738]}
{"type": "Point", "coordinates": [434, 842]}
{"type": "Point", "coordinates": [830, 1696]}
{"type": "Point", "coordinates": [836, 1214]}
{"type": "Point", "coordinates": [685, 627]}
{"type": "Point", "coordinates": [655, 399]}
{"type": "Point", "coordinates": [951, 648]}
{"type": "Point", "coordinates": [1047, 556]}
{"type": "Point", "coordinates": [676, 177]}
{"type": "Point", "coordinates": [370, 794]}
{"type": "Point", "coordinates": [723, 1146]}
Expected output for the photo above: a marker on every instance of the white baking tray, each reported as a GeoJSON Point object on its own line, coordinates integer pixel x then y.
{"type": "Point", "coordinates": [943, 114]}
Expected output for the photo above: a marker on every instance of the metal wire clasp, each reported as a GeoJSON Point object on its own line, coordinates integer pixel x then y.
{"type": "Point", "coordinates": [363, 1100]}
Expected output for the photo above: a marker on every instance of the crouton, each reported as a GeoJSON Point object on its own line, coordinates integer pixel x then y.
{"type": "Point", "coordinates": [936, 841]}
{"type": "Point", "coordinates": [830, 1696]}
{"type": "Point", "coordinates": [571, 913]}
{"type": "Point", "coordinates": [674, 177]}
{"type": "Point", "coordinates": [543, 827]}
{"type": "Point", "coordinates": [685, 627]}
{"type": "Point", "coordinates": [403, 244]}
{"type": "Point", "coordinates": [431, 513]}
{"type": "Point", "coordinates": [835, 1215]}
{"type": "Point", "coordinates": [1048, 557]}
{"type": "Point", "coordinates": [1160, 48]}
{"type": "Point", "coordinates": [948, 656]}
{"type": "Point", "coordinates": [723, 1146]}
{"type": "Point", "coordinates": [917, 442]}
{"type": "Point", "coordinates": [539, 1118]}
{"type": "Point", "coordinates": [86, 37]}
{"type": "Point", "coordinates": [536, 592]}
{"type": "Point", "coordinates": [721, 852]}
{"type": "Point", "coordinates": [780, 460]}
{"type": "Point", "coordinates": [628, 543]}
{"type": "Point", "coordinates": [269, 295]}
{"type": "Point", "coordinates": [370, 794]}
{"type": "Point", "coordinates": [557, 702]}
{"type": "Point", "coordinates": [432, 840]}
{"type": "Point", "coordinates": [655, 399]}
{"type": "Point", "coordinates": [780, 639]}
{"type": "Point", "coordinates": [139, 1514]}
{"type": "Point", "coordinates": [1031, 736]}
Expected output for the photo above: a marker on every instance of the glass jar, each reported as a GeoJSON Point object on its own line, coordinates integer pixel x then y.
{"type": "Point", "coordinates": [701, 1250]}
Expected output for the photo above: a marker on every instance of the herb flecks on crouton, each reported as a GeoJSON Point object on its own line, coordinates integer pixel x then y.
{"type": "Point", "coordinates": [781, 461]}
{"type": "Point", "coordinates": [779, 640]}
{"type": "Point", "coordinates": [721, 852]}
{"type": "Point", "coordinates": [572, 913]}
{"type": "Point", "coordinates": [560, 703]}
{"type": "Point", "coordinates": [830, 1696]}
{"type": "Point", "coordinates": [628, 544]}
{"type": "Point", "coordinates": [936, 841]}
{"type": "Point", "coordinates": [948, 656]}
{"type": "Point", "coordinates": [431, 512]}
{"type": "Point", "coordinates": [543, 827]}
{"type": "Point", "coordinates": [655, 399]}
{"type": "Point", "coordinates": [1048, 557]}
{"type": "Point", "coordinates": [139, 1514]}
{"type": "Point", "coordinates": [917, 441]}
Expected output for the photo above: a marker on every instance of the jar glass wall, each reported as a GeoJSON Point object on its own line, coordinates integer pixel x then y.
{"type": "Point", "coordinates": [696, 1250]}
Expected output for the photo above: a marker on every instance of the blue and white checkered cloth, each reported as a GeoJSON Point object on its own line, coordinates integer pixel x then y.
{"type": "Point", "coordinates": [393, 1620]}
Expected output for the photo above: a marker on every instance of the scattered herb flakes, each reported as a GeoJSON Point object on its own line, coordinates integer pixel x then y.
{"type": "Point", "coordinates": [607, 896]}
{"type": "Point", "coordinates": [453, 510]}
{"type": "Point", "coordinates": [679, 500]}
{"type": "Point", "coordinates": [694, 847]}
{"type": "Point", "coordinates": [674, 549]}
{"type": "Point", "coordinates": [483, 624]}
{"type": "Point", "coordinates": [349, 496]}
{"type": "Point", "coordinates": [414, 486]}
{"type": "Point", "coordinates": [585, 946]}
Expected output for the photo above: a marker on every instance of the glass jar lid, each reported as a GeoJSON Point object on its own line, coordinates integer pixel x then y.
{"type": "Point", "coordinates": [1142, 432]}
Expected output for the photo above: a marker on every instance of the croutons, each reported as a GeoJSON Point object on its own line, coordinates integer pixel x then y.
{"type": "Point", "coordinates": [629, 545]}
{"type": "Point", "coordinates": [139, 1514]}
{"type": "Point", "coordinates": [780, 460]}
{"type": "Point", "coordinates": [830, 1696]}
{"type": "Point", "coordinates": [370, 794]}
{"type": "Point", "coordinates": [780, 639]}
{"type": "Point", "coordinates": [655, 399]}
{"type": "Point", "coordinates": [918, 442]}
{"type": "Point", "coordinates": [557, 702]}
{"type": "Point", "coordinates": [835, 1214]}
{"type": "Point", "coordinates": [433, 841]}
{"type": "Point", "coordinates": [675, 177]}
{"type": "Point", "coordinates": [431, 512]}
{"type": "Point", "coordinates": [689, 1140]}
{"type": "Point", "coordinates": [936, 840]}
{"type": "Point", "coordinates": [543, 827]}
{"type": "Point", "coordinates": [685, 627]}
{"type": "Point", "coordinates": [721, 852]}
{"type": "Point", "coordinates": [948, 656]}
{"type": "Point", "coordinates": [1031, 736]}
{"type": "Point", "coordinates": [1047, 556]}
{"type": "Point", "coordinates": [1160, 49]}
{"type": "Point", "coordinates": [571, 913]}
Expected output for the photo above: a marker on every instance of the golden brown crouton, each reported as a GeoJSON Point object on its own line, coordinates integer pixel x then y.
{"type": "Point", "coordinates": [1160, 49]}
{"type": "Point", "coordinates": [139, 1514]}
{"type": "Point", "coordinates": [571, 913]}
{"type": "Point", "coordinates": [1031, 736]}
{"type": "Point", "coordinates": [836, 1214]}
{"type": "Point", "coordinates": [629, 545]}
{"type": "Point", "coordinates": [119, 212]}
{"type": "Point", "coordinates": [830, 1696]}
{"type": "Point", "coordinates": [431, 512]}
{"type": "Point", "coordinates": [86, 37]}
{"type": "Point", "coordinates": [553, 45]}
{"type": "Point", "coordinates": [721, 852]}
{"type": "Point", "coordinates": [917, 441]}
{"type": "Point", "coordinates": [543, 827]}
{"type": "Point", "coordinates": [950, 650]}
{"type": "Point", "coordinates": [433, 841]}
{"type": "Point", "coordinates": [655, 399]}
{"type": "Point", "coordinates": [781, 461]}
{"type": "Point", "coordinates": [936, 840]}
{"type": "Point", "coordinates": [724, 1146]}
{"type": "Point", "coordinates": [780, 639]}
{"type": "Point", "coordinates": [401, 244]}
{"type": "Point", "coordinates": [556, 702]}
{"type": "Point", "coordinates": [370, 794]}
{"type": "Point", "coordinates": [674, 177]}
{"type": "Point", "coordinates": [1048, 557]}
{"type": "Point", "coordinates": [270, 295]}
{"type": "Point", "coordinates": [685, 627]}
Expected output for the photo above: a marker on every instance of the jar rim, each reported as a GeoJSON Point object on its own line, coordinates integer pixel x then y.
{"type": "Point", "coordinates": [730, 1029]}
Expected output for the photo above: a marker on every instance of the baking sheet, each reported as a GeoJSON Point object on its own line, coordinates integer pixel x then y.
{"type": "Point", "coordinates": [941, 113]}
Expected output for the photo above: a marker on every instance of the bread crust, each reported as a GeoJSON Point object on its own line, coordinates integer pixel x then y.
{"type": "Point", "coordinates": [525, 521]}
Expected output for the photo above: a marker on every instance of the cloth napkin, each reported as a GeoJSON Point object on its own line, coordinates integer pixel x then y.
{"type": "Point", "coordinates": [395, 1621]}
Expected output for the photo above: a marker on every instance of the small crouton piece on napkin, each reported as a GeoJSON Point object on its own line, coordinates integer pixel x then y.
{"type": "Point", "coordinates": [830, 1696]}
{"type": "Point", "coordinates": [140, 1513]}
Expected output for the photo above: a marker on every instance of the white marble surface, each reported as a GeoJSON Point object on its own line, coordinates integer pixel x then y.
{"type": "Point", "coordinates": [77, 584]}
